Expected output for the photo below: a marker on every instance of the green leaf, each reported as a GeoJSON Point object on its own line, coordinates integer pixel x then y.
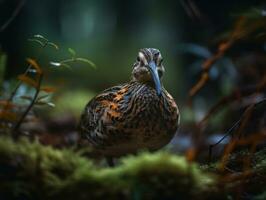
{"type": "Point", "coordinates": [53, 45]}
{"type": "Point", "coordinates": [43, 97]}
{"type": "Point", "coordinates": [37, 41]}
{"type": "Point", "coordinates": [72, 52]}
{"type": "Point", "coordinates": [86, 61]}
{"type": "Point", "coordinates": [51, 104]}
{"type": "Point", "coordinates": [44, 103]}
{"type": "Point", "coordinates": [40, 37]}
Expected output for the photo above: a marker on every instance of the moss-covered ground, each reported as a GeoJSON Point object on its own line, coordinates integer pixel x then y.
{"type": "Point", "coordinates": [29, 170]}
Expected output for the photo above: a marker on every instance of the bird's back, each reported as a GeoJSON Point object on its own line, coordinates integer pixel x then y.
{"type": "Point", "coordinates": [129, 117]}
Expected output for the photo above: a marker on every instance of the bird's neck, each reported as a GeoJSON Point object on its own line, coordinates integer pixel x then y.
{"type": "Point", "coordinates": [148, 82]}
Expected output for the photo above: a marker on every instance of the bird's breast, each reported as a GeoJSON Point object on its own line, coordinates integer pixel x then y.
{"type": "Point", "coordinates": [130, 117]}
{"type": "Point", "coordinates": [142, 117]}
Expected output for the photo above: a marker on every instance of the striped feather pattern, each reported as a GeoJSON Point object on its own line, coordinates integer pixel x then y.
{"type": "Point", "coordinates": [129, 117]}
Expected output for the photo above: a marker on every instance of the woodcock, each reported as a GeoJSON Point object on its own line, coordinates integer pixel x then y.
{"type": "Point", "coordinates": [132, 116]}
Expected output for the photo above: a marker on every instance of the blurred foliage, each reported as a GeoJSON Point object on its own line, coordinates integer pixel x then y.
{"type": "Point", "coordinates": [71, 102]}
{"type": "Point", "coordinates": [11, 117]}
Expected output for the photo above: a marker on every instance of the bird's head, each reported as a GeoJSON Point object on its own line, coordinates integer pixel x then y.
{"type": "Point", "coordinates": [148, 68]}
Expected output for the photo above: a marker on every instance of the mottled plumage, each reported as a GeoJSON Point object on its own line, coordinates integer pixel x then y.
{"type": "Point", "coordinates": [136, 115]}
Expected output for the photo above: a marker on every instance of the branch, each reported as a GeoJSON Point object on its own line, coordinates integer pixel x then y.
{"type": "Point", "coordinates": [239, 126]}
{"type": "Point", "coordinates": [235, 95]}
{"type": "Point", "coordinates": [15, 131]}
{"type": "Point", "coordinates": [13, 16]}
{"type": "Point", "coordinates": [10, 99]}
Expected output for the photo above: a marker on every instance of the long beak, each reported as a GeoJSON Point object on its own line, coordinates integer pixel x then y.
{"type": "Point", "coordinates": [155, 76]}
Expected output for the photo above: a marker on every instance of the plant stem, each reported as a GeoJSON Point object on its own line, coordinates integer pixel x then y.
{"type": "Point", "coordinates": [10, 99]}
{"type": "Point", "coordinates": [13, 93]}
{"type": "Point", "coordinates": [15, 131]}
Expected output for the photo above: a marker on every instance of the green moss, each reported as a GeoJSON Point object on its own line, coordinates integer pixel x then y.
{"type": "Point", "coordinates": [30, 170]}
{"type": "Point", "coordinates": [166, 174]}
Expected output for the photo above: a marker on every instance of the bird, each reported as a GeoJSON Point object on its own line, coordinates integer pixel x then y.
{"type": "Point", "coordinates": [133, 116]}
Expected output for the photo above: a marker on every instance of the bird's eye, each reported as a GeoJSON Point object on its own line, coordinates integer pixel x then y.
{"type": "Point", "coordinates": [138, 58]}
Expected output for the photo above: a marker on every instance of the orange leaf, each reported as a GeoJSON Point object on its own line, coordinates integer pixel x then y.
{"type": "Point", "coordinates": [34, 64]}
{"type": "Point", "coordinates": [48, 89]}
{"type": "Point", "coordinates": [28, 80]}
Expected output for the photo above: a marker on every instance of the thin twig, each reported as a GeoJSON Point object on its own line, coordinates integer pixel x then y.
{"type": "Point", "coordinates": [10, 99]}
{"type": "Point", "coordinates": [240, 123]}
{"type": "Point", "coordinates": [235, 95]}
{"type": "Point", "coordinates": [13, 93]}
{"type": "Point", "coordinates": [15, 131]}
{"type": "Point", "coordinates": [225, 136]}
{"type": "Point", "coordinates": [241, 30]}
{"type": "Point", "coordinates": [13, 16]}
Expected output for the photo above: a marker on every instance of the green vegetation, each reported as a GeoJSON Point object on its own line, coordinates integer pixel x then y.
{"type": "Point", "coordinates": [34, 171]}
{"type": "Point", "coordinates": [41, 172]}
{"type": "Point", "coordinates": [71, 102]}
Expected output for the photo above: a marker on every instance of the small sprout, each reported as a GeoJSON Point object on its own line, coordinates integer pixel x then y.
{"type": "Point", "coordinates": [87, 61]}
{"type": "Point", "coordinates": [66, 62]}
{"type": "Point", "coordinates": [43, 41]}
